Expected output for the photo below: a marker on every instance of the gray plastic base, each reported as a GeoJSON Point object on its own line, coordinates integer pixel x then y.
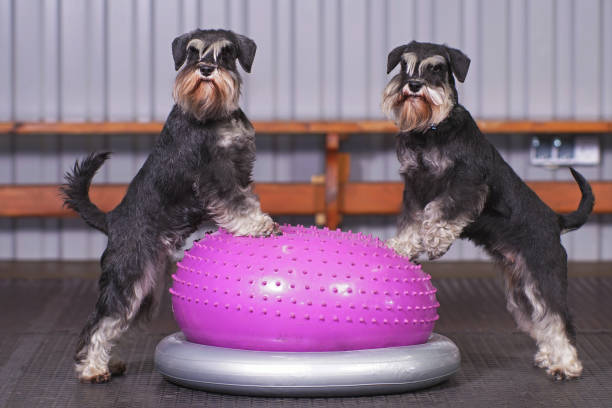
{"type": "Point", "coordinates": [308, 374]}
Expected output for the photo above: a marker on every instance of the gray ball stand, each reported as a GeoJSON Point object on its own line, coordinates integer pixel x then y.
{"type": "Point", "coordinates": [307, 374]}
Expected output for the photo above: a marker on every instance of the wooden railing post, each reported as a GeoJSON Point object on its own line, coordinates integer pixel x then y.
{"type": "Point", "coordinates": [332, 180]}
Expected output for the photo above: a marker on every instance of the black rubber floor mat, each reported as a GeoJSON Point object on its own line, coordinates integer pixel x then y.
{"type": "Point", "coordinates": [40, 319]}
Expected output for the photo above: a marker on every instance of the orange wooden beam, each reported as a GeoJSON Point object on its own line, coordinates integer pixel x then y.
{"type": "Point", "coordinates": [553, 126]}
{"type": "Point", "coordinates": [564, 196]}
{"type": "Point", "coordinates": [386, 198]}
{"type": "Point", "coordinates": [371, 198]}
{"type": "Point", "coordinates": [6, 127]}
{"type": "Point", "coordinates": [316, 127]}
{"type": "Point", "coordinates": [290, 198]}
{"type": "Point", "coordinates": [45, 201]}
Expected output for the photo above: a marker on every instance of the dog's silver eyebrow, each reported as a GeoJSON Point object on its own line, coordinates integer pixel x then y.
{"type": "Point", "coordinates": [216, 48]}
{"type": "Point", "coordinates": [433, 60]}
{"type": "Point", "coordinates": [197, 44]}
{"type": "Point", "coordinates": [411, 59]}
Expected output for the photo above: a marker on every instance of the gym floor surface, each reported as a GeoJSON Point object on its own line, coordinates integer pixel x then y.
{"type": "Point", "coordinates": [43, 305]}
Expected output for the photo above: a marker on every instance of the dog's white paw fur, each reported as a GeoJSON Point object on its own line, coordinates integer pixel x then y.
{"type": "Point", "coordinates": [257, 225]}
{"type": "Point", "coordinates": [90, 373]}
{"type": "Point", "coordinates": [404, 247]}
{"type": "Point", "coordinates": [561, 364]}
{"type": "Point", "coordinates": [542, 359]}
{"type": "Point", "coordinates": [566, 371]}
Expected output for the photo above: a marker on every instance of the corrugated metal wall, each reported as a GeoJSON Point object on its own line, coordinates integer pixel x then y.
{"type": "Point", "coordinates": [96, 60]}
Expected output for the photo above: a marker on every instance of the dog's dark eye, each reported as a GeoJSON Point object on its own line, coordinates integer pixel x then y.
{"type": "Point", "coordinates": [225, 56]}
{"type": "Point", "coordinates": [437, 68]}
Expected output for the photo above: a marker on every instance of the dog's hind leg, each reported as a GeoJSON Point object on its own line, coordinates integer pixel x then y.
{"type": "Point", "coordinates": [552, 327]}
{"type": "Point", "coordinates": [120, 301]}
{"type": "Point", "coordinates": [97, 338]}
{"type": "Point", "coordinates": [538, 303]}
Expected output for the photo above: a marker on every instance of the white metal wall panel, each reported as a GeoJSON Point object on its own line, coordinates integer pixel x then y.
{"type": "Point", "coordinates": [102, 60]}
{"type": "Point", "coordinates": [353, 59]}
{"type": "Point", "coordinates": [330, 56]}
{"type": "Point", "coordinates": [304, 52]}
{"type": "Point", "coordinates": [165, 28]}
{"type": "Point", "coordinates": [7, 81]}
{"type": "Point", "coordinates": [564, 53]}
{"type": "Point", "coordinates": [95, 61]}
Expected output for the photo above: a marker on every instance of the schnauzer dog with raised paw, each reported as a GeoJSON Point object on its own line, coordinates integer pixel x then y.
{"type": "Point", "coordinates": [200, 170]}
{"type": "Point", "coordinates": [456, 185]}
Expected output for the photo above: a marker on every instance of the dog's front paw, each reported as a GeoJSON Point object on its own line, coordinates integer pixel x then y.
{"type": "Point", "coordinates": [267, 227]}
{"type": "Point", "coordinates": [402, 247]}
{"type": "Point", "coordinates": [436, 253]}
{"type": "Point", "coordinates": [264, 226]}
{"type": "Point", "coordinates": [257, 225]}
{"type": "Point", "coordinates": [437, 243]}
{"type": "Point", "coordinates": [277, 229]}
{"type": "Point", "coordinates": [394, 244]}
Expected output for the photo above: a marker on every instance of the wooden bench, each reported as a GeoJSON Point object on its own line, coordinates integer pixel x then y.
{"type": "Point", "coordinates": [327, 197]}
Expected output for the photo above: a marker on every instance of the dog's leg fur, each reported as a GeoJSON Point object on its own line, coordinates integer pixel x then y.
{"type": "Point", "coordinates": [240, 214]}
{"type": "Point", "coordinates": [438, 233]}
{"type": "Point", "coordinates": [445, 217]}
{"type": "Point", "coordinates": [429, 231]}
{"type": "Point", "coordinates": [543, 315]}
{"type": "Point", "coordinates": [233, 205]}
{"type": "Point", "coordinates": [111, 319]}
{"type": "Point", "coordinates": [408, 240]}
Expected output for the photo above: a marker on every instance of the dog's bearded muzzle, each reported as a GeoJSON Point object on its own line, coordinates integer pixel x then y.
{"type": "Point", "coordinates": [207, 91]}
{"type": "Point", "coordinates": [415, 110]}
{"type": "Point", "coordinates": [206, 70]}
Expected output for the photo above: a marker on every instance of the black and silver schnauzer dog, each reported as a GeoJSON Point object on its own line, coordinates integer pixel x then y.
{"type": "Point", "coordinates": [199, 170]}
{"type": "Point", "coordinates": [458, 186]}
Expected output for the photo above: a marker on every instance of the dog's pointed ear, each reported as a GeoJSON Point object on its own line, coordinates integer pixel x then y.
{"type": "Point", "coordinates": [395, 57]}
{"type": "Point", "coordinates": [246, 51]}
{"type": "Point", "coordinates": [179, 50]}
{"type": "Point", "coordinates": [459, 63]}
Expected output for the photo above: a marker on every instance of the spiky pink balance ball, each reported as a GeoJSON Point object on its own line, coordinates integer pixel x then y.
{"type": "Point", "coordinates": [306, 290]}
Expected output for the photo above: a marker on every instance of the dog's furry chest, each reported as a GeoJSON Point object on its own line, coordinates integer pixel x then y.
{"type": "Point", "coordinates": [426, 161]}
{"type": "Point", "coordinates": [235, 133]}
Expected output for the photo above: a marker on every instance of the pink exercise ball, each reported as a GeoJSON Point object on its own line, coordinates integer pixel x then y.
{"type": "Point", "coordinates": [309, 289]}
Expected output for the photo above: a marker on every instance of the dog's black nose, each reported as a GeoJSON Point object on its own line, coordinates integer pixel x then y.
{"type": "Point", "coordinates": [415, 85]}
{"type": "Point", "coordinates": [206, 70]}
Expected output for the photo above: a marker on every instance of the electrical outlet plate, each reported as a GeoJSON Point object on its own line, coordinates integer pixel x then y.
{"type": "Point", "coordinates": [566, 150]}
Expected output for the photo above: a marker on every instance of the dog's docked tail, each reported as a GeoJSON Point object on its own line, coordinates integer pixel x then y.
{"type": "Point", "coordinates": [76, 190]}
{"type": "Point", "coordinates": [577, 218]}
